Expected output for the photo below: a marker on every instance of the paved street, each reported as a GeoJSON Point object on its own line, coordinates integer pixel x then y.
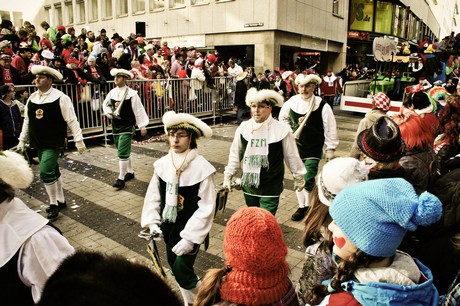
{"type": "Point", "coordinates": [100, 218]}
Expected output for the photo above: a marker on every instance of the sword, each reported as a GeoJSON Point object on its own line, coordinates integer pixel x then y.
{"type": "Point", "coordinates": [152, 249]}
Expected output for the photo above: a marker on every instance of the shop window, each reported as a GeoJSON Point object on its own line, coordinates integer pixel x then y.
{"type": "Point", "coordinates": [384, 17]}
{"type": "Point", "coordinates": [361, 15]}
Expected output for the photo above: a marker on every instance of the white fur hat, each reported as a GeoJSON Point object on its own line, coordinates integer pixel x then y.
{"type": "Point", "coordinates": [122, 72]}
{"type": "Point", "coordinates": [265, 95]}
{"type": "Point", "coordinates": [173, 121]}
{"type": "Point", "coordinates": [39, 69]}
{"type": "Point", "coordinates": [303, 79]}
{"type": "Point", "coordinates": [14, 170]}
{"type": "Point", "coordinates": [338, 174]}
{"type": "Point", "coordinates": [198, 61]}
{"type": "Point", "coordinates": [148, 47]}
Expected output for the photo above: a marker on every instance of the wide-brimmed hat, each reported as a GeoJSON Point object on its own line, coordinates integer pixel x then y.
{"type": "Point", "coordinates": [122, 72]}
{"type": "Point", "coordinates": [45, 70]}
{"type": "Point", "coordinates": [241, 75]}
{"type": "Point", "coordinates": [15, 170]}
{"type": "Point", "coordinates": [303, 79]}
{"type": "Point", "coordinates": [382, 141]}
{"type": "Point", "coordinates": [183, 121]}
{"type": "Point", "coordinates": [268, 96]}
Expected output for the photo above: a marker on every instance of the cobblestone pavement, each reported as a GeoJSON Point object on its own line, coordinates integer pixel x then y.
{"type": "Point", "coordinates": [100, 218]}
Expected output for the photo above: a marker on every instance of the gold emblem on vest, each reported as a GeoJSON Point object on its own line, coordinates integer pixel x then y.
{"type": "Point", "coordinates": [39, 113]}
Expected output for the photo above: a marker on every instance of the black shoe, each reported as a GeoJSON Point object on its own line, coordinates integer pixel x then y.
{"type": "Point", "coordinates": [61, 205]}
{"type": "Point", "coordinates": [119, 184]}
{"type": "Point", "coordinates": [53, 212]}
{"type": "Point", "coordinates": [299, 214]}
{"type": "Point", "coordinates": [129, 176]}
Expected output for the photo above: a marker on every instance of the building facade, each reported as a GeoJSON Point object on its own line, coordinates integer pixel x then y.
{"type": "Point", "coordinates": [265, 34]}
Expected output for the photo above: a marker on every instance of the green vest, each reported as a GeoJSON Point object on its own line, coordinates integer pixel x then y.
{"type": "Point", "coordinates": [271, 178]}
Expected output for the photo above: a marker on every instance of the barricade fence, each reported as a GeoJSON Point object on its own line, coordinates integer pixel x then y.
{"type": "Point", "coordinates": [157, 96]}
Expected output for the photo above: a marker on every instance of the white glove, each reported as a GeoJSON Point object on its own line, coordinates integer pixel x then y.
{"type": "Point", "coordinates": [156, 232]}
{"type": "Point", "coordinates": [183, 247]}
{"type": "Point", "coordinates": [330, 154]}
{"type": "Point", "coordinates": [21, 147]}
{"type": "Point", "coordinates": [299, 184]}
{"type": "Point", "coordinates": [80, 146]}
{"type": "Point", "coordinates": [227, 184]}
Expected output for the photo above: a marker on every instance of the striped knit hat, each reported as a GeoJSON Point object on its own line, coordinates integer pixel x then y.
{"type": "Point", "coordinates": [254, 247]}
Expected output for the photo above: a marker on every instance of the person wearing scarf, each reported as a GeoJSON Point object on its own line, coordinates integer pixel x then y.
{"type": "Point", "coordinates": [261, 146]}
{"type": "Point", "coordinates": [32, 249]}
{"type": "Point", "coordinates": [129, 112]}
{"type": "Point", "coordinates": [180, 200]}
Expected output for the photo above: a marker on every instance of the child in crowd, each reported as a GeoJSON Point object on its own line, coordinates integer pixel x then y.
{"type": "Point", "coordinates": [335, 176]}
{"type": "Point", "coordinates": [369, 221]}
{"type": "Point", "coordinates": [257, 271]}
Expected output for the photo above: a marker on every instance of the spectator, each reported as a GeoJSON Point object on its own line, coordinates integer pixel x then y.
{"type": "Point", "coordinates": [31, 249]}
{"type": "Point", "coordinates": [381, 104]}
{"type": "Point", "coordinates": [369, 265]}
{"type": "Point", "coordinates": [50, 31]}
{"type": "Point", "coordinates": [21, 62]}
{"type": "Point", "coordinates": [318, 266]}
{"type": "Point", "coordinates": [383, 146]}
{"type": "Point", "coordinates": [256, 271]}
{"type": "Point", "coordinates": [96, 279]}
{"type": "Point", "coordinates": [241, 89]}
{"type": "Point", "coordinates": [8, 74]}
{"type": "Point", "coordinates": [10, 118]}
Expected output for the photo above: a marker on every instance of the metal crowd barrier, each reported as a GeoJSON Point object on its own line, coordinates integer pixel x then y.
{"type": "Point", "coordinates": [157, 96]}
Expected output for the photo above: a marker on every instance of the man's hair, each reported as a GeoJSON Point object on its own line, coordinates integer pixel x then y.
{"type": "Point", "coordinates": [193, 144]}
{"type": "Point", "coordinates": [91, 278]}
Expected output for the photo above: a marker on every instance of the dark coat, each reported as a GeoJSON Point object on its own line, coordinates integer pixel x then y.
{"type": "Point", "coordinates": [240, 93]}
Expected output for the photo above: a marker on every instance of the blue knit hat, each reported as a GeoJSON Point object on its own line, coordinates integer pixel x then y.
{"type": "Point", "coordinates": [376, 214]}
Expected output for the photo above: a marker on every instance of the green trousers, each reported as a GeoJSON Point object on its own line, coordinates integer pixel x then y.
{"type": "Point", "coordinates": [49, 166]}
{"type": "Point", "coordinates": [267, 203]}
{"type": "Point", "coordinates": [182, 267]}
{"type": "Point", "coordinates": [123, 145]}
{"type": "Point", "coordinates": [312, 169]}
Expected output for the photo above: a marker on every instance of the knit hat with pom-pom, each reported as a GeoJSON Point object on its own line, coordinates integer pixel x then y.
{"type": "Point", "coordinates": [375, 215]}
{"type": "Point", "coordinates": [255, 250]}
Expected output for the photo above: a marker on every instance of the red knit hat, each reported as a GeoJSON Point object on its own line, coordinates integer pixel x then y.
{"type": "Point", "coordinates": [254, 247]}
{"type": "Point", "coordinates": [382, 101]}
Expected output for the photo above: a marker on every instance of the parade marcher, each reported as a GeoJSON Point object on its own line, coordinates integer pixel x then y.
{"type": "Point", "coordinates": [330, 87]}
{"type": "Point", "coordinates": [380, 106]}
{"type": "Point", "coordinates": [367, 230]}
{"type": "Point", "coordinates": [124, 107]}
{"type": "Point", "coordinates": [31, 249]}
{"type": "Point", "coordinates": [318, 130]}
{"type": "Point", "coordinates": [382, 146]}
{"type": "Point", "coordinates": [261, 147]}
{"type": "Point", "coordinates": [318, 266]}
{"type": "Point", "coordinates": [241, 88]}
{"type": "Point", "coordinates": [256, 271]}
{"type": "Point", "coordinates": [180, 200]}
{"type": "Point", "coordinates": [120, 282]}
{"type": "Point", "coordinates": [48, 114]}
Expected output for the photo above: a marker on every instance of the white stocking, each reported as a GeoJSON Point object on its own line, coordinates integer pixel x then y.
{"type": "Point", "coordinates": [123, 164]}
{"type": "Point", "coordinates": [51, 190]}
